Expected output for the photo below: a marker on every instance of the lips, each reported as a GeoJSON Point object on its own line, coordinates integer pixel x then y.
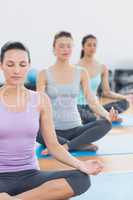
{"type": "Point", "coordinates": [16, 77]}
{"type": "Point", "coordinates": [65, 54]}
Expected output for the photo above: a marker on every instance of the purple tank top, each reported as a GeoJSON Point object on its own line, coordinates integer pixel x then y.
{"type": "Point", "coordinates": [18, 131]}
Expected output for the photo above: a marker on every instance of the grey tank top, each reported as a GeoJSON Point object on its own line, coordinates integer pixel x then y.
{"type": "Point", "coordinates": [64, 101]}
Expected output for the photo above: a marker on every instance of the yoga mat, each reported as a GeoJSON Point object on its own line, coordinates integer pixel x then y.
{"type": "Point", "coordinates": [109, 145]}
{"type": "Point", "coordinates": [127, 121]}
{"type": "Point", "coordinates": [109, 187]}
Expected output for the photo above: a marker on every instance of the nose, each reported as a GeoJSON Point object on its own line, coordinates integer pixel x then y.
{"type": "Point", "coordinates": [16, 69]}
{"type": "Point", "coordinates": [66, 50]}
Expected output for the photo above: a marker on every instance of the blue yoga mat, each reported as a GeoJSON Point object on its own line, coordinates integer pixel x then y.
{"type": "Point", "coordinates": [110, 187]}
{"type": "Point", "coordinates": [127, 121]}
{"type": "Point", "coordinates": [109, 145]}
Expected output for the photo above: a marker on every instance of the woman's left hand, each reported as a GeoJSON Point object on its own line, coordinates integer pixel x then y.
{"type": "Point", "coordinates": [114, 115]}
{"type": "Point", "coordinates": [91, 167]}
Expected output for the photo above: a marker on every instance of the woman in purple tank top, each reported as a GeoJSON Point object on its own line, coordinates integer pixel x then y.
{"type": "Point", "coordinates": [21, 111]}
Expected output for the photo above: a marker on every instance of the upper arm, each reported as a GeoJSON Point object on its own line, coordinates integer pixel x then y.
{"type": "Point", "coordinates": [46, 122]}
{"type": "Point", "coordinates": [41, 81]}
{"type": "Point", "coordinates": [105, 79]}
{"type": "Point", "coordinates": [85, 83]}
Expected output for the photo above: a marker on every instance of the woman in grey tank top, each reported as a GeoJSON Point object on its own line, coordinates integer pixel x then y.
{"type": "Point", "coordinates": [62, 83]}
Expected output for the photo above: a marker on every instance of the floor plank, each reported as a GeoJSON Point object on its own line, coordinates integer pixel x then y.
{"type": "Point", "coordinates": [113, 163]}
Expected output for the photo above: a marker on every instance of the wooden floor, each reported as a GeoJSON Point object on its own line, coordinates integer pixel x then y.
{"type": "Point", "coordinates": [113, 163]}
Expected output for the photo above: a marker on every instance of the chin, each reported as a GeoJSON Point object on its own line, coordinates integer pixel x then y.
{"type": "Point", "coordinates": [16, 83]}
{"type": "Point", "coordinates": [65, 58]}
{"type": "Point", "coordinates": [92, 53]}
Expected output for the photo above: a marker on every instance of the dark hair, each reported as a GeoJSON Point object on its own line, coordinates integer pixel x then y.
{"type": "Point", "coordinates": [13, 45]}
{"type": "Point", "coordinates": [61, 34]}
{"type": "Point", "coordinates": [84, 40]}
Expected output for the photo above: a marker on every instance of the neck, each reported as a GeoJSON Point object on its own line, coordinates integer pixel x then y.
{"type": "Point", "coordinates": [13, 89]}
{"type": "Point", "coordinates": [62, 64]}
{"type": "Point", "coordinates": [88, 59]}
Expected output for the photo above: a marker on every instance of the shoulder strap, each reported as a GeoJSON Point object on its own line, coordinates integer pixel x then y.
{"type": "Point", "coordinates": [49, 75]}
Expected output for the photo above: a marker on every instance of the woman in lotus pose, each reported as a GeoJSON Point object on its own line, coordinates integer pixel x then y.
{"type": "Point", "coordinates": [97, 73]}
{"type": "Point", "coordinates": [62, 83]}
{"type": "Point", "coordinates": [22, 112]}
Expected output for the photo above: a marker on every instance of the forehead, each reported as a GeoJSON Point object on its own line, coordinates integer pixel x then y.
{"type": "Point", "coordinates": [64, 40]}
{"type": "Point", "coordinates": [16, 54]}
{"type": "Point", "coordinates": [90, 40]}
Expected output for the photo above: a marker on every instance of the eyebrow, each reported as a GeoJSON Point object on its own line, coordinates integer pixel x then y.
{"type": "Point", "coordinates": [9, 61]}
{"type": "Point", "coordinates": [65, 43]}
{"type": "Point", "coordinates": [14, 61]}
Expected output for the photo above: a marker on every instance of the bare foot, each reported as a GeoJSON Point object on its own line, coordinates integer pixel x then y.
{"type": "Point", "coordinates": [88, 147]}
{"type": "Point", "coordinates": [5, 196]}
{"type": "Point", "coordinates": [45, 152]}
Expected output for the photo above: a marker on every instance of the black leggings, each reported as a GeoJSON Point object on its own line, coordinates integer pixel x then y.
{"type": "Point", "coordinates": [15, 183]}
{"type": "Point", "coordinates": [86, 134]}
{"type": "Point", "coordinates": [87, 115]}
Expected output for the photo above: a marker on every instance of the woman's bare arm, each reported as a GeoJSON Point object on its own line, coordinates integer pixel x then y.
{"type": "Point", "coordinates": [91, 98]}
{"type": "Point", "coordinates": [57, 150]}
{"type": "Point", "coordinates": [41, 81]}
{"type": "Point", "coordinates": [106, 88]}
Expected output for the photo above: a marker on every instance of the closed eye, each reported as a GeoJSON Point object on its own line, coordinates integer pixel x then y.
{"type": "Point", "coordinates": [23, 65]}
{"type": "Point", "coordinates": [10, 65]}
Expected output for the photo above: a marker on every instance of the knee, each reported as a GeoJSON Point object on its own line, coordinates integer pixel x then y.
{"type": "Point", "coordinates": [105, 124]}
{"type": "Point", "coordinates": [81, 182]}
{"type": "Point", "coordinates": [125, 104]}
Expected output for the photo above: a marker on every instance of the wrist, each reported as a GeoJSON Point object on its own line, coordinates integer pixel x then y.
{"type": "Point", "coordinates": [82, 167]}
{"type": "Point", "coordinates": [124, 97]}
{"type": "Point", "coordinates": [106, 115]}
{"type": "Point", "coordinates": [79, 165]}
